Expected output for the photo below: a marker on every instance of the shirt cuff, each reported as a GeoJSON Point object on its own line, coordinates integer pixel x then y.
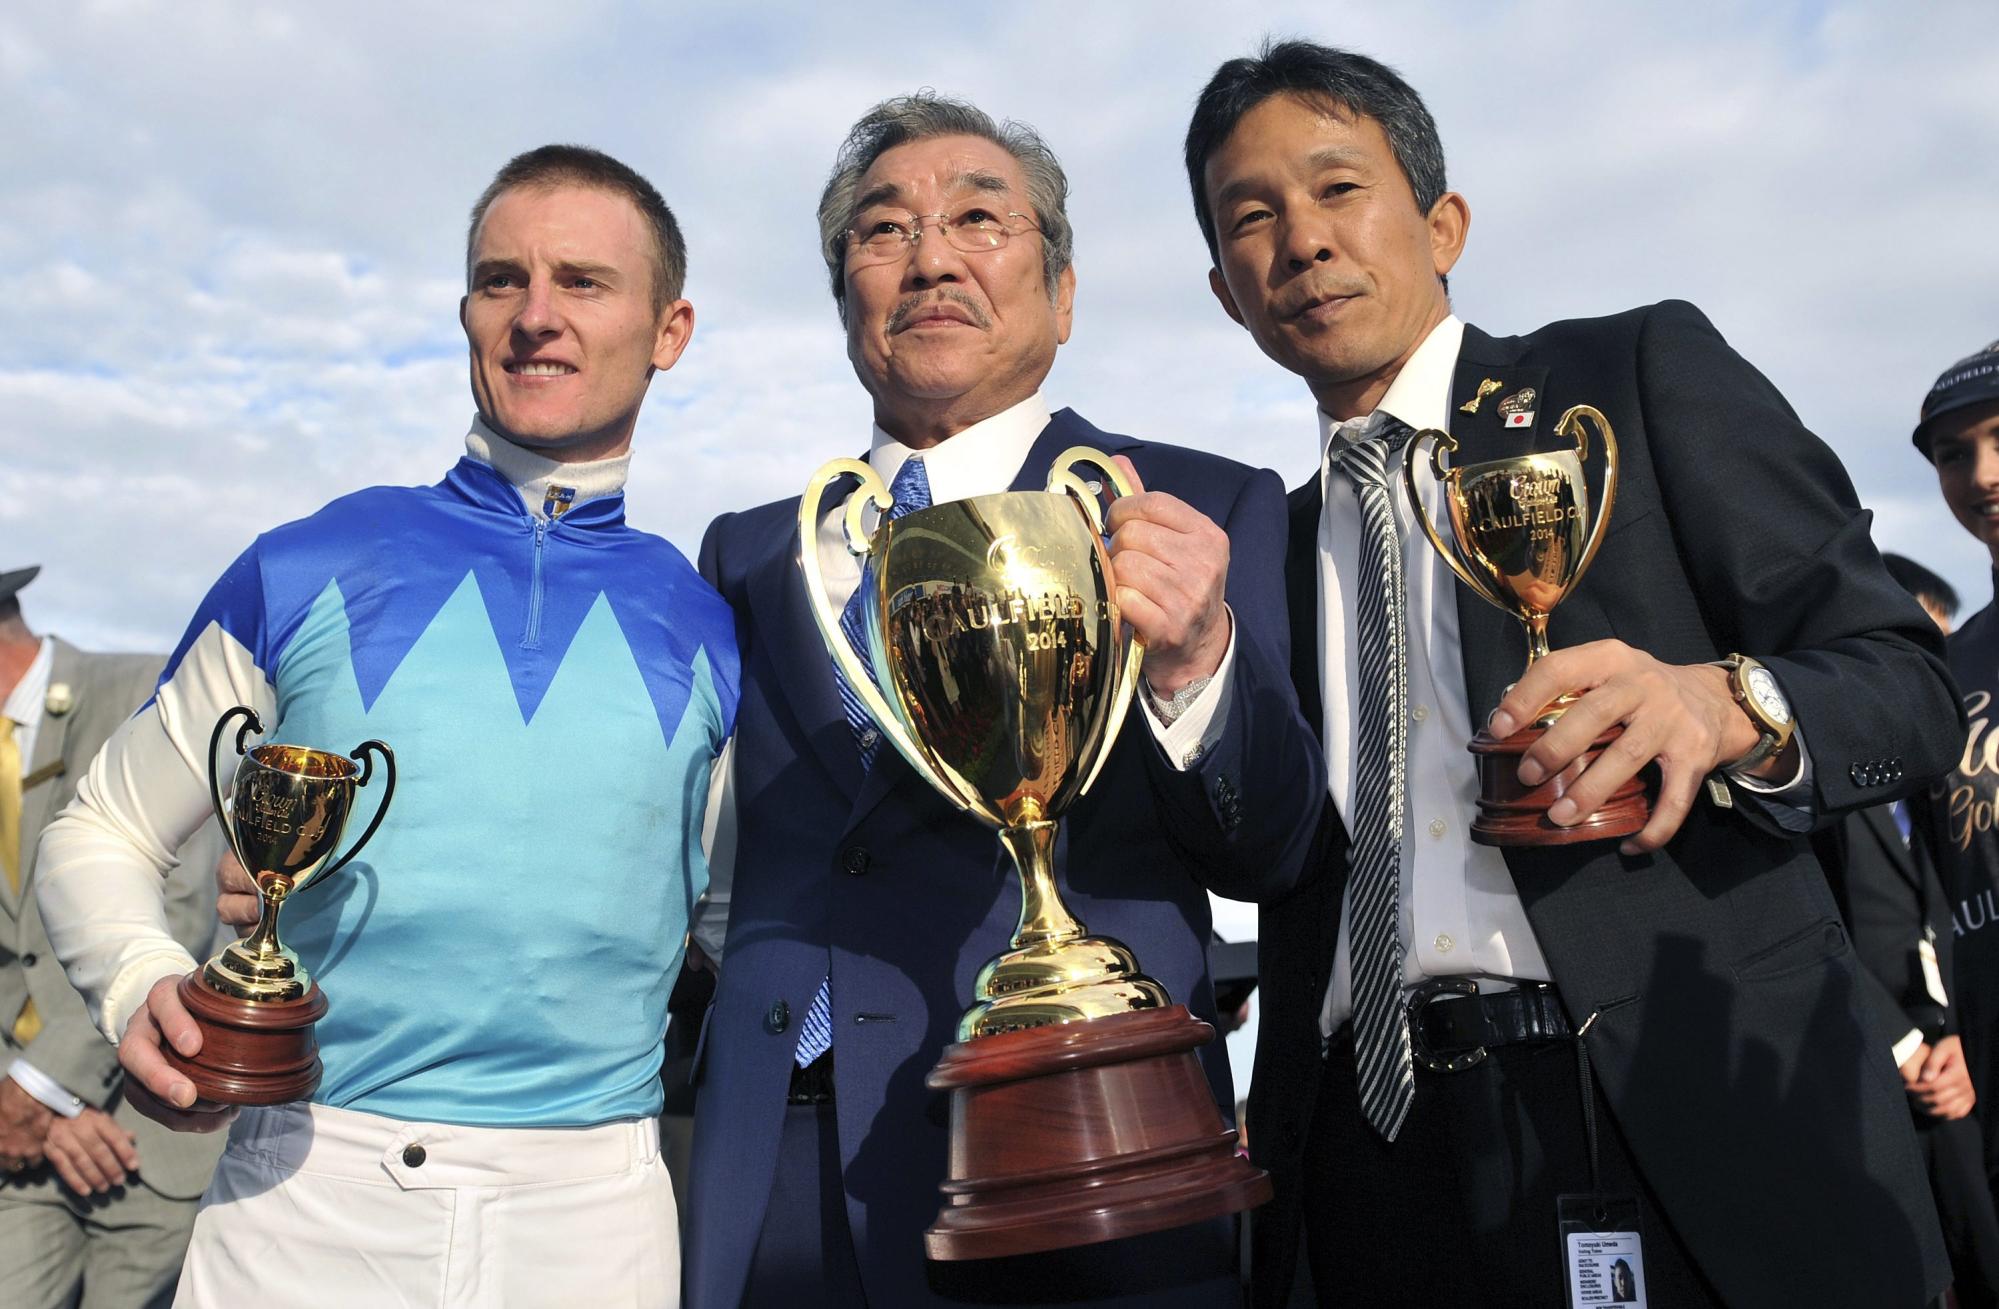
{"type": "Point", "coordinates": [45, 1088]}
{"type": "Point", "coordinates": [710, 929]}
{"type": "Point", "coordinates": [1187, 739]}
{"type": "Point", "coordinates": [1787, 803]}
{"type": "Point", "coordinates": [127, 993]}
{"type": "Point", "coordinates": [1908, 1046]}
{"type": "Point", "coordinates": [1801, 778]}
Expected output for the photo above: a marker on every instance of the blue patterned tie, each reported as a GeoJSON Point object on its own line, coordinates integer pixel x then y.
{"type": "Point", "coordinates": [1374, 857]}
{"type": "Point", "coordinates": [911, 492]}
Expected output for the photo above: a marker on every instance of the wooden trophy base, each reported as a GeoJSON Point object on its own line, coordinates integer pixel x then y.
{"type": "Point", "coordinates": [1084, 1132]}
{"type": "Point", "coordinates": [252, 1052]}
{"type": "Point", "coordinates": [1512, 814]}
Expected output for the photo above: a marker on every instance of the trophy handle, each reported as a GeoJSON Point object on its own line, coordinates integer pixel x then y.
{"type": "Point", "coordinates": [859, 543]}
{"type": "Point", "coordinates": [251, 724]}
{"type": "Point", "coordinates": [1062, 477]}
{"type": "Point", "coordinates": [1571, 424]}
{"type": "Point", "coordinates": [1443, 441]}
{"type": "Point", "coordinates": [365, 752]}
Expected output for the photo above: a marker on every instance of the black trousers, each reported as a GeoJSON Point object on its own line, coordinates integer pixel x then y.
{"type": "Point", "coordinates": [1954, 1152]}
{"type": "Point", "coordinates": [1460, 1209]}
{"type": "Point", "coordinates": [1981, 1056]}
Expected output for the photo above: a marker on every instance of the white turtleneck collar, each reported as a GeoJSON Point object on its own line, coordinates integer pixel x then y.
{"type": "Point", "coordinates": [540, 480]}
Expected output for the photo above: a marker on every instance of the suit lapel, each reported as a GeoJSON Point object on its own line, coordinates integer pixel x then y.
{"type": "Point", "coordinates": [1065, 428]}
{"type": "Point", "coordinates": [1301, 599]}
{"type": "Point", "coordinates": [1491, 644]}
{"type": "Point", "coordinates": [51, 739]}
{"type": "Point", "coordinates": [778, 603]}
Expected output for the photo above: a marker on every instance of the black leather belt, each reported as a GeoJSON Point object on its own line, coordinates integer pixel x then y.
{"type": "Point", "coordinates": [1451, 1026]}
{"type": "Point", "coordinates": [812, 1084]}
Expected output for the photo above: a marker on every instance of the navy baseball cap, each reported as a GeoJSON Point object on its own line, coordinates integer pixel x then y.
{"type": "Point", "coordinates": [13, 580]}
{"type": "Point", "coordinates": [1972, 380]}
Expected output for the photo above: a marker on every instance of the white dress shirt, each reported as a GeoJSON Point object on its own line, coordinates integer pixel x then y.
{"type": "Point", "coordinates": [1461, 914]}
{"type": "Point", "coordinates": [25, 701]}
{"type": "Point", "coordinates": [25, 706]}
{"type": "Point", "coordinates": [983, 459]}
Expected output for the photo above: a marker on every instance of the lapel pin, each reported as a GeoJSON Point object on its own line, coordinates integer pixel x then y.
{"type": "Point", "coordinates": [1518, 409]}
{"type": "Point", "coordinates": [60, 700]}
{"type": "Point", "coordinates": [1485, 388]}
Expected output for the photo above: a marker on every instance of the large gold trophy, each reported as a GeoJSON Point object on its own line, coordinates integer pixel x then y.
{"type": "Point", "coordinates": [999, 668]}
{"type": "Point", "coordinates": [254, 1002]}
{"type": "Point", "coordinates": [1524, 538]}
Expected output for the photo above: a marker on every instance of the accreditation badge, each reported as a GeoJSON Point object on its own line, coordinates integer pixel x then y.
{"type": "Point", "coordinates": [1926, 953]}
{"type": "Point", "coordinates": [1603, 1255]}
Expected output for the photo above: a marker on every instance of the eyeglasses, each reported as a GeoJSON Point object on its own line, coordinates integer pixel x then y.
{"type": "Point", "coordinates": [883, 235]}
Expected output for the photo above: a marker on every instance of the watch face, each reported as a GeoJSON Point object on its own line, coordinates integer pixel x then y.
{"type": "Point", "coordinates": [1763, 690]}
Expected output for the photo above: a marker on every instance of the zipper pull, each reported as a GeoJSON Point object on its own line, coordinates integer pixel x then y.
{"type": "Point", "coordinates": [531, 636]}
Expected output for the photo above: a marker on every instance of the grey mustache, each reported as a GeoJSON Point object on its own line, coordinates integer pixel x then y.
{"type": "Point", "coordinates": [899, 319]}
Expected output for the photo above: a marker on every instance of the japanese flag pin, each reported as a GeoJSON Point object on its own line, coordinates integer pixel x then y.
{"type": "Point", "coordinates": [1518, 409]}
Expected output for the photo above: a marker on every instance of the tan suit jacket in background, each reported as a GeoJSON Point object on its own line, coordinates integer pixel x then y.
{"type": "Point", "coordinates": [105, 690]}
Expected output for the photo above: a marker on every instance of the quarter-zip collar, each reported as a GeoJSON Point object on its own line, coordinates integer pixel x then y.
{"type": "Point", "coordinates": [482, 485]}
{"type": "Point", "coordinates": [548, 488]}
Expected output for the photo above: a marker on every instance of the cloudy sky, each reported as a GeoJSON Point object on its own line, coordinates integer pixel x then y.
{"type": "Point", "coordinates": [231, 233]}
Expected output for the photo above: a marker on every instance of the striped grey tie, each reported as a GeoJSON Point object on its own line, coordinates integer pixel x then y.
{"type": "Point", "coordinates": [1374, 857]}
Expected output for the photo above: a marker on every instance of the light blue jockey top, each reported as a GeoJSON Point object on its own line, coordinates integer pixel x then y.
{"type": "Point", "coordinates": [555, 694]}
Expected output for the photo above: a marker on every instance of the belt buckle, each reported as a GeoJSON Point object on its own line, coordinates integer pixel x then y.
{"type": "Point", "coordinates": [1419, 1048]}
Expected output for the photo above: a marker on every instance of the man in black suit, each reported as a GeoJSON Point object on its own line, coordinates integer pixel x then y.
{"type": "Point", "coordinates": [1899, 917]}
{"type": "Point", "coordinates": [1938, 598]}
{"type": "Point", "coordinates": [1737, 1105]}
{"type": "Point", "coordinates": [1958, 432]}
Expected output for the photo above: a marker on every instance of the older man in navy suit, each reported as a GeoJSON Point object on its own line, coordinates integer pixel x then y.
{"type": "Point", "coordinates": [863, 903]}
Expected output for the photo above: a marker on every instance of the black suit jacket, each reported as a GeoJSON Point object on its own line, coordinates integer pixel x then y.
{"type": "Point", "coordinates": [1731, 1036]}
{"type": "Point", "coordinates": [1889, 894]}
{"type": "Point", "coordinates": [876, 877]}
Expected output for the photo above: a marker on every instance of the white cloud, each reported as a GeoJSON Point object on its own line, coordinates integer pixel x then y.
{"type": "Point", "coordinates": [232, 241]}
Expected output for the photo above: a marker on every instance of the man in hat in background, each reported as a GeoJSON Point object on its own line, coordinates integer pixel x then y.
{"type": "Point", "coordinates": [1958, 432]}
{"type": "Point", "coordinates": [93, 1195]}
{"type": "Point", "coordinates": [1899, 918]}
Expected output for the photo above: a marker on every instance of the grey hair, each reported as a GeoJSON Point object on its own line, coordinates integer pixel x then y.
{"type": "Point", "coordinates": [922, 117]}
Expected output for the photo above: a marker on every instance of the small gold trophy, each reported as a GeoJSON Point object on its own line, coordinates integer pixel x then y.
{"type": "Point", "coordinates": [998, 666]}
{"type": "Point", "coordinates": [1524, 538]}
{"type": "Point", "coordinates": [254, 1002]}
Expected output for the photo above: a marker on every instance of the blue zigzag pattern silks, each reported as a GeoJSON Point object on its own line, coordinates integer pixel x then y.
{"type": "Point", "coordinates": [399, 553]}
